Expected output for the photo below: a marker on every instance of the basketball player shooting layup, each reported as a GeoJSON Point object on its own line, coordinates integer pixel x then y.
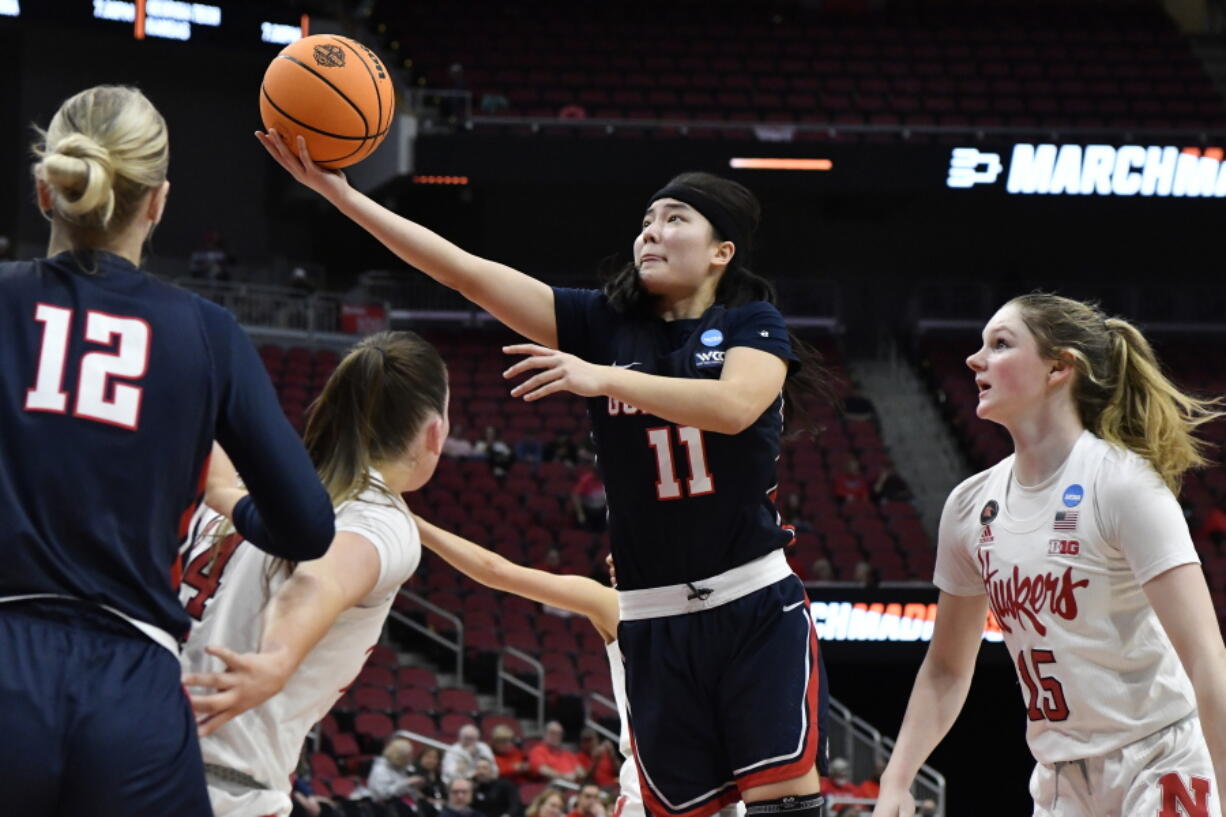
{"type": "Point", "coordinates": [684, 358]}
{"type": "Point", "coordinates": [1077, 543]}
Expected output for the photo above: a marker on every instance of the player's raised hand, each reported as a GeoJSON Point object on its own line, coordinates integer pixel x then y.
{"type": "Point", "coordinates": [894, 803]}
{"type": "Point", "coordinates": [297, 160]}
{"type": "Point", "coordinates": [249, 680]}
{"type": "Point", "coordinates": [559, 372]}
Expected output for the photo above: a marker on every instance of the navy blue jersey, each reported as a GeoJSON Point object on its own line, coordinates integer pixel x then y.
{"type": "Point", "coordinates": [684, 504]}
{"type": "Point", "coordinates": [113, 386]}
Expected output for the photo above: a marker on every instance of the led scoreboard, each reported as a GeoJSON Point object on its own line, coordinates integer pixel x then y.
{"type": "Point", "coordinates": [230, 22]}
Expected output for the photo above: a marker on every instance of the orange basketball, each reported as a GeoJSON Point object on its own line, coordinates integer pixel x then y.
{"type": "Point", "coordinates": [334, 92]}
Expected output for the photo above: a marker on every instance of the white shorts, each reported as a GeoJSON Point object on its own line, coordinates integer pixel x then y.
{"type": "Point", "coordinates": [231, 802]}
{"type": "Point", "coordinates": [1169, 772]}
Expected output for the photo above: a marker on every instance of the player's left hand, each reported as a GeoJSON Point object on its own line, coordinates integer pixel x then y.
{"type": "Point", "coordinates": [559, 372]}
{"type": "Point", "coordinates": [249, 680]}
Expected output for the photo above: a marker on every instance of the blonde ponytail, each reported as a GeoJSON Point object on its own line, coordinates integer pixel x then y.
{"type": "Point", "coordinates": [1121, 392]}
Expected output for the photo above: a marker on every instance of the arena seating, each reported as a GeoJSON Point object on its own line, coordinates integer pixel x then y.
{"type": "Point", "coordinates": [967, 63]}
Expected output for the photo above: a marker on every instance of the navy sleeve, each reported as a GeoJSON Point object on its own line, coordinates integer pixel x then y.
{"type": "Point", "coordinates": [288, 513]}
{"type": "Point", "coordinates": [759, 325]}
{"type": "Point", "coordinates": [576, 312]}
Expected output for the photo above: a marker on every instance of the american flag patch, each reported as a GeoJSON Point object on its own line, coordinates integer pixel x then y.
{"type": "Point", "coordinates": [1065, 520]}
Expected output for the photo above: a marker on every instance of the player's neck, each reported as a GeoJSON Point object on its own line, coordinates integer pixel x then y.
{"type": "Point", "coordinates": [126, 244]}
{"type": "Point", "coordinates": [1042, 444]}
{"type": "Point", "coordinates": [686, 307]}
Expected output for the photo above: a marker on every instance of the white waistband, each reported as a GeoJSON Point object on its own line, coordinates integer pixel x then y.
{"type": "Point", "coordinates": [156, 634]}
{"type": "Point", "coordinates": [694, 597]}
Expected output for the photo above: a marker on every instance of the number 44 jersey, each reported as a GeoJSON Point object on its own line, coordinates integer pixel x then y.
{"type": "Point", "coordinates": [684, 504]}
{"type": "Point", "coordinates": [1096, 669]}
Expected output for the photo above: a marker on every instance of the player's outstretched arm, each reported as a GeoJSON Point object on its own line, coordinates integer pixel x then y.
{"type": "Point", "coordinates": [298, 615]}
{"type": "Point", "coordinates": [1182, 602]}
{"type": "Point", "coordinates": [578, 594]}
{"type": "Point", "coordinates": [936, 699]}
{"type": "Point", "coordinates": [751, 380]}
{"type": "Point", "coordinates": [518, 300]}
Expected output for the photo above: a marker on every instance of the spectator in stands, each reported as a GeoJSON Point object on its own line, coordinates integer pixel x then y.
{"type": "Point", "coordinates": [495, 449]}
{"type": "Point", "coordinates": [493, 796]}
{"type": "Point", "coordinates": [461, 758]}
{"type": "Point", "coordinates": [512, 762]}
{"type": "Point", "coordinates": [864, 575]}
{"type": "Point", "coordinates": [211, 261]}
{"type": "Point", "coordinates": [838, 783]}
{"type": "Point", "coordinates": [792, 515]}
{"type": "Point", "coordinates": [392, 775]}
{"type": "Point", "coordinates": [492, 103]}
{"type": "Point", "coordinates": [821, 570]}
{"type": "Point", "coordinates": [309, 804]}
{"type": "Point", "coordinates": [561, 449]}
{"type": "Point", "coordinates": [851, 485]}
{"type": "Point", "coordinates": [459, 799]}
{"type": "Point", "coordinates": [890, 487]}
{"type": "Point", "coordinates": [432, 790]}
{"type": "Point", "coordinates": [457, 445]}
{"type": "Point", "coordinates": [552, 761]}
{"type": "Point", "coordinates": [549, 803]}
{"type": "Point", "coordinates": [588, 499]}
{"type": "Point", "coordinates": [588, 802]}
{"type": "Point", "coordinates": [599, 757]}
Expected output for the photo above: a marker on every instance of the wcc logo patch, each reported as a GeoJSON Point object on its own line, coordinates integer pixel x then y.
{"type": "Point", "coordinates": [705, 360]}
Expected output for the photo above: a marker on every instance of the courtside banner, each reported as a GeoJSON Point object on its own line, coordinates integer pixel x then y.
{"type": "Point", "coordinates": [882, 615]}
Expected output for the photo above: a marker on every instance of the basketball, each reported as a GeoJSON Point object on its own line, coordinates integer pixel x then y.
{"type": "Point", "coordinates": [333, 91]}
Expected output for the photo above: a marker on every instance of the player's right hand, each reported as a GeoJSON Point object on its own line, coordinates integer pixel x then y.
{"type": "Point", "coordinates": [331, 184]}
{"type": "Point", "coordinates": [894, 803]}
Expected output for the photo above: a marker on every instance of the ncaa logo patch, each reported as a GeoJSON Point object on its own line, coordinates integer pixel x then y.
{"type": "Point", "coordinates": [1073, 495]}
{"type": "Point", "coordinates": [712, 337]}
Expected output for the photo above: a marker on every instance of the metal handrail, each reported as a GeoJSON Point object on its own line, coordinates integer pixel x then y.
{"type": "Point", "coordinates": [883, 745]}
{"type": "Point", "coordinates": [592, 723]}
{"type": "Point", "coordinates": [456, 646]}
{"type": "Point", "coordinates": [505, 677]}
{"type": "Point", "coordinates": [416, 737]}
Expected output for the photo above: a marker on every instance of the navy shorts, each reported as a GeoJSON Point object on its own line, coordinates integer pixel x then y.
{"type": "Point", "coordinates": [725, 699]}
{"type": "Point", "coordinates": [93, 718]}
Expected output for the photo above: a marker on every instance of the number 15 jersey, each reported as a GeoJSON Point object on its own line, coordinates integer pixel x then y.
{"type": "Point", "coordinates": [684, 504]}
{"type": "Point", "coordinates": [1097, 669]}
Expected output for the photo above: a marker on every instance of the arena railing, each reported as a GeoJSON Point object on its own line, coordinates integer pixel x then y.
{"type": "Point", "coordinates": [455, 646]}
{"type": "Point", "coordinates": [862, 745]}
{"type": "Point", "coordinates": [589, 721]}
{"type": "Point", "coordinates": [506, 677]}
{"type": "Point", "coordinates": [441, 110]}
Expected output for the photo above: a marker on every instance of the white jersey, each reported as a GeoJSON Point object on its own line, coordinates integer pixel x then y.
{"type": "Point", "coordinates": [264, 743]}
{"type": "Point", "coordinates": [1097, 670]}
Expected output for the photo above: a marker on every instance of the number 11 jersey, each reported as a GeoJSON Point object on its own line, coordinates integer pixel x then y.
{"type": "Point", "coordinates": [684, 504]}
{"type": "Point", "coordinates": [1096, 669]}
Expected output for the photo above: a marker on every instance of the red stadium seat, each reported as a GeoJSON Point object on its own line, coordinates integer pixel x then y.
{"type": "Point", "coordinates": [458, 700]}
{"type": "Point", "coordinates": [373, 725]}
{"type": "Point", "coordinates": [418, 723]}
{"type": "Point", "coordinates": [373, 699]}
{"type": "Point", "coordinates": [415, 699]}
{"type": "Point", "coordinates": [450, 724]}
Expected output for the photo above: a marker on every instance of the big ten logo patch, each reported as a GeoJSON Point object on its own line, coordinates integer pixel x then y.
{"type": "Point", "coordinates": [1063, 547]}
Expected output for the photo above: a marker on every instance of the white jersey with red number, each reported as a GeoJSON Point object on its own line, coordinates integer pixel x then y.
{"type": "Point", "coordinates": [1097, 670]}
{"type": "Point", "coordinates": [227, 594]}
{"type": "Point", "coordinates": [630, 800]}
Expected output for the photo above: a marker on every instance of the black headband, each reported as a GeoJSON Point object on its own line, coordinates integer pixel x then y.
{"type": "Point", "coordinates": [725, 223]}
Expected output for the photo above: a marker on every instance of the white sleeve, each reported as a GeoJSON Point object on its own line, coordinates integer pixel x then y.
{"type": "Point", "coordinates": [956, 572]}
{"type": "Point", "coordinates": [1140, 515]}
{"type": "Point", "coordinates": [393, 534]}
